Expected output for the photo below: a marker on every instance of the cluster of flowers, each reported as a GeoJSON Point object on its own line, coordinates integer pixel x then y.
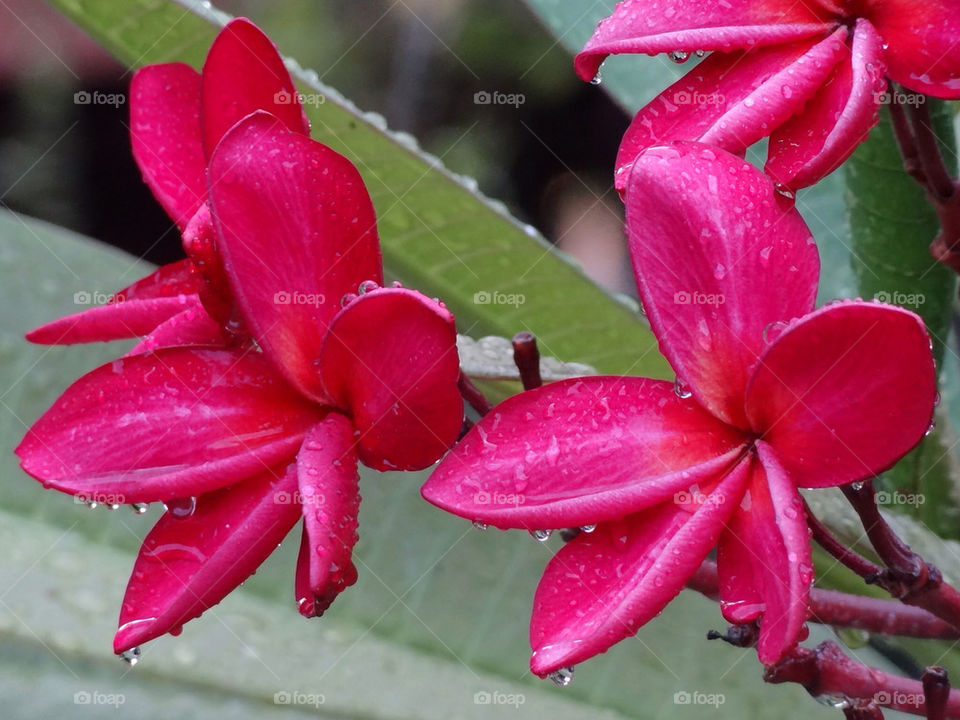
{"type": "Point", "coordinates": [233, 399]}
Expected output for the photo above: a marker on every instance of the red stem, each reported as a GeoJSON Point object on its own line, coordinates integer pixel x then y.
{"type": "Point", "coordinates": [476, 399]}
{"type": "Point", "coordinates": [831, 607]}
{"type": "Point", "coordinates": [526, 356]}
{"type": "Point", "coordinates": [936, 690]}
{"type": "Point", "coordinates": [826, 671]}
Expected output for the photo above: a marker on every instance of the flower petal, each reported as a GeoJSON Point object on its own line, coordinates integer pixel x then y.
{"type": "Point", "coordinates": [718, 258]}
{"type": "Point", "coordinates": [132, 312]}
{"type": "Point", "coordinates": [165, 135]}
{"type": "Point", "coordinates": [188, 565]}
{"type": "Point", "coordinates": [763, 559]}
{"type": "Point", "coordinates": [601, 587]}
{"type": "Point", "coordinates": [244, 73]}
{"type": "Point", "coordinates": [816, 142]}
{"type": "Point", "coordinates": [390, 360]}
{"type": "Point", "coordinates": [658, 26]}
{"type": "Point", "coordinates": [297, 231]}
{"type": "Point", "coordinates": [732, 100]}
{"type": "Point", "coordinates": [174, 423]}
{"type": "Point", "coordinates": [190, 327]}
{"type": "Point", "coordinates": [921, 38]}
{"type": "Point", "coordinates": [330, 498]}
{"type": "Point", "coordinates": [845, 392]}
{"type": "Point", "coordinates": [581, 451]}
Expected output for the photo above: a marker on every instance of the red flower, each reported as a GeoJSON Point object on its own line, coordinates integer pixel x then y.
{"type": "Point", "coordinates": [808, 74]}
{"type": "Point", "coordinates": [177, 117]}
{"type": "Point", "coordinates": [775, 395]}
{"type": "Point", "coordinates": [258, 436]}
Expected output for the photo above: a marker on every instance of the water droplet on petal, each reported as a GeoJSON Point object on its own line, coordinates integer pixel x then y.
{"type": "Point", "coordinates": [139, 508]}
{"type": "Point", "coordinates": [588, 528]}
{"type": "Point", "coordinates": [785, 192]}
{"type": "Point", "coordinates": [131, 657]}
{"type": "Point", "coordinates": [479, 525]}
{"type": "Point", "coordinates": [561, 677]}
{"type": "Point", "coordinates": [681, 390]}
{"type": "Point", "coordinates": [347, 299]}
{"type": "Point", "coordinates": [772, 331]}
{"type": "Point", "coordinates": [596, 79]}
{"type": "Point", "coordinates": [541, 535]}
{"type": "Point", "coordinates": [367, 286]}
{"type": "Point", "coordinates": [181, 508]}
{"type": "Point", "coordinates": [679, 56]}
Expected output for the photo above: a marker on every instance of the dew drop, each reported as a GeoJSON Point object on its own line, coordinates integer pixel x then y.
{"type": "Point", "coordinates": [785, 192]}
{"type": "Point", "coordinates": [596, 79]}
{"type": "Point", "coordinates": [588, 528]}
{"type": "Point", "coordinates": [131, 657]}
{"type": "Point", "coordinates": [561, 677]}
{"type": "Point", "coordinates": [834, 701]}
{"type": "Point", "coordinates": [347, 299]}
{"type": "Point", "coordinates": [367, 286]}
{"type": "Point", "coordinates": [541, 535]}
{"type": "Point", "coordinates": [181, 508]}
{"type": "Point", "coordinates": [772, 331]}
{"type": "Point", "coordinates": [679, 56]}
{"type": "Point", "coordinates": [479, 525]}
{"type": "Point", "coordinates": [139, 508]}
{"type": "Point", "coordinates": [681, 390]}
{"type": "Point", "coordinates": [700, 53]}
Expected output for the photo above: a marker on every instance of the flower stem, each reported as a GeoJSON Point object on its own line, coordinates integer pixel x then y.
{"type": "Point", "coordinates": [475, 399]}
{"type": "Point", "coordinates": [839, 609]}
{"type": "Point", "coordinates": [526, 355]}
{"type": "Point", "coordinates": [826, 671]}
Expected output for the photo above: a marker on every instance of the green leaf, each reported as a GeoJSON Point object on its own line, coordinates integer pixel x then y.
{"type": "Point", "coordinates": [440, 611]}
{"type": "Point", "coordinates": [892, 226]}
{"type": "Point", "coordinates": [438, 233]}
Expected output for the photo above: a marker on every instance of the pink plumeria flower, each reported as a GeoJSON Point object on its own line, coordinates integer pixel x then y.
{"type": "Point", "coordinates": [242, 442]}
{"type": "Point", "coordinates": [811, 75]}
{"type": "Point", "coordinates": [774, 396]}
{"type": "Point", "coordinates": [177, 117]}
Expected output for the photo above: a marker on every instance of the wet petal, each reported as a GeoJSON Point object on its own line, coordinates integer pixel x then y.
{"type": "Point", "coordinates": [175, 423]}
{"type": "Point", "coordinates": [603, 586]}
{"type": "Point", "coordinates": [133, 312]}
{"type": "Point", "coordinates": [845, 392]}
{"type": "Point", "coordinates": [580, 451]}
{"type": "Point", "coordinates": [732, 100]}
{"type": "Point", "coordinates": [244, 73]}
{"type": "Point", "coordinates": [330, 498]}
{"type": "Point", "coordinates": [390, 360]}
{"type": "Point", "coordinates": [165, 136]}
{"type": "Point", "coordinates": [297, 231]}
{"type": "Point", "coordinates": [188, 565]}
{"type": "Point", "coordinates": [661, 26]}
{"type": "Point", "coordinates": [719, 259]}
{"type": "Point", "coordinates": [816, 142]}
{"type": "Point", "coordinates": [921, 39]}
{"type": "Point", "coordinates": [190, 327]}
{"type": "Point", "coordinates": [763, 559]}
